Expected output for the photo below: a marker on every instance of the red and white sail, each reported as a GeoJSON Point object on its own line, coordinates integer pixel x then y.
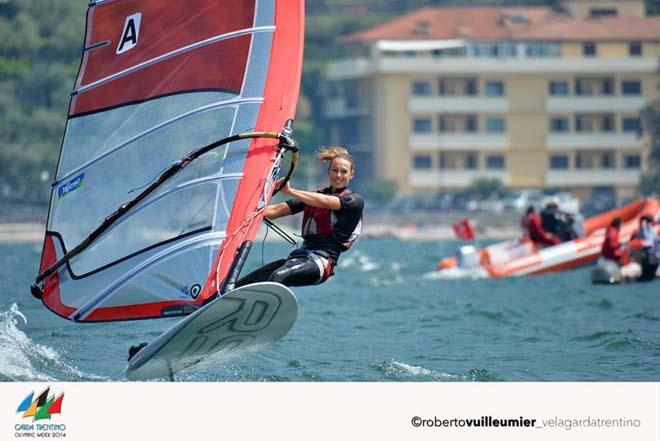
{"type": "Point", "coordinates": [158, 79]}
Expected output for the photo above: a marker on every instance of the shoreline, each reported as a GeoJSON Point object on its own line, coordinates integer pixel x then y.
{"type": "Point", "coordinates": [33, 232]}
{"type": "Point", "coordinates": [22, 232]}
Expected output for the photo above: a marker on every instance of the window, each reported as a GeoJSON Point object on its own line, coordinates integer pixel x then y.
{"type": "Point", "coordinates": [589, 49]}
{"type": "Point", "coordinates": [495, 162]}
{"type": "Point", "coordinates": [559, 88]}
{"type": "Point", "coordinates": [542, 49]}
{"type": "Point", "coordinates": [471, 161]}
{"type": "Point", "coordinates": [607, 160]}
{"type": "Point", "coordinates": [602, 12]}
{"type": "Point", "coordinates": [593, 123]}
{"type": "Point", "coordinates": [442, 88]}
{"type": "Point", "coordinates": [495, 88]}
{"type": "Point", "coordinates": [559, 124]}
{"type": "Point", "coordinates": [443, 163]}
{"type": "Point", "coordinates": [421, 88]}
{"type": "Point", "coordinates": [632, 161]}
{"type": "Point", "coordinates": [632, 125]}
{"type": "Point", "coordinates": [631, 88]}
{"type": "Point", "coordinates": [485, 50]}
{"type": "Point", "coordinates": [594, 86]}
{"type": "Point", "coordinates": [471, 124]}
{"type": "Point", "coordinates": [422, 162]}
{"type": "Point", "coordinates": [635, 49]}
{"type": "Point", "coordinates": [422, 125]}
{"type": "Point", "coordinates": [580, 162]}
{"type": "Point", "coordinates": [471, 87]}
{"type": "Point", "coordinates": [495, 125]}
{"type": "Point", "coordinates": [458, 86]}
{"type": "Point", "coordinates": [559, 162]}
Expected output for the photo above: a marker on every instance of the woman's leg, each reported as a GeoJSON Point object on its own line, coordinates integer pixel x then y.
{"type": "Point", "coordinates": [262, 274]}
{"type": "Point", "coordinates": [302, 271]}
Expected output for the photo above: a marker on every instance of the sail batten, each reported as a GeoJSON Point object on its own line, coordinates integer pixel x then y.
{"type": "Point", "coordinates": [218, 77]}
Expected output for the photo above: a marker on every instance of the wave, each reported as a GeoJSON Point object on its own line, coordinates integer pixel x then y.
{"type": "Point", "coordinates": [360, 261]}
{"type": "Point", "coordinates": [403, 371]}
{"type": "Point", "coordinates": [457, 273]}
{"type": "Point", "coordinates": [22, 359]}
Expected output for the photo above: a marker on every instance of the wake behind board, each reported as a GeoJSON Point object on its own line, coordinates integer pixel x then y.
{"type": "Point", "coordinates": [240, 323]}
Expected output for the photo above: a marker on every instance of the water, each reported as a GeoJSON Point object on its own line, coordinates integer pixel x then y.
{"type": "Point", "coordinates": [383, 317]}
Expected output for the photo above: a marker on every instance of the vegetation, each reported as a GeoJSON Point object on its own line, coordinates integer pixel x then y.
{"type": "Point", "coordinates": [650, 183]}
{"type": "Point", "coordinates": [486, 188]}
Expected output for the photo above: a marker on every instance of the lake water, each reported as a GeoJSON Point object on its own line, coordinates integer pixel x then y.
{"type": "Point", "coordinates": [383, 317]}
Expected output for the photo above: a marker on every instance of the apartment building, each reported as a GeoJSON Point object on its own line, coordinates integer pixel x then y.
{"type": "Point", "coordinates": [535, 97]}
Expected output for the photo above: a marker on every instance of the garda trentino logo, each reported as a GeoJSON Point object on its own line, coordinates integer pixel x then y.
{"type": "Point", "coordinates": [42, 407]}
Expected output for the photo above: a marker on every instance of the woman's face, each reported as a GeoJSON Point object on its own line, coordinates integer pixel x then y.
{"type": "Point", "coordinates": [340, 172]}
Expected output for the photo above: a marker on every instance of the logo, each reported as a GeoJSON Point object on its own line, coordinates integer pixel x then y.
{"type": "Point", "coordinates": [41, 408]}
{"type": "Point", "coordinates": [192, 291]}
{"type": "Point", "coordinates": [39, 411]}
{"type": "Point", "coordinates": [68, 187]}
{"type": "Point", "coordinates": [129, 36]}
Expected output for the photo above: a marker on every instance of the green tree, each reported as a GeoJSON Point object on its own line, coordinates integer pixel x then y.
{"type": "Point", "coordinates": [487, 187]}
{"type": "Point", "coordinates": [650, 181]}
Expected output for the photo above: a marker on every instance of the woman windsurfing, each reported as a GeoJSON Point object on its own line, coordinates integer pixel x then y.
{"type": "Point", "coordinates": [332, 220]}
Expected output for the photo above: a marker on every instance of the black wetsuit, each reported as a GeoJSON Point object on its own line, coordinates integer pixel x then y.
{"type": "Point", "coordinates": [326, 234]}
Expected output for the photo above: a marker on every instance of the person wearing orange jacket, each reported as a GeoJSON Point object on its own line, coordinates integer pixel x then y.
{"type": "Point", "coordinates": [612, 249]}
{"type": "Point", "coordinates": [532, 223]}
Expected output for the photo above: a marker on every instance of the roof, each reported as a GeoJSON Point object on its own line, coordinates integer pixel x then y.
{"type": "Point", "coordinates": [508, 23]}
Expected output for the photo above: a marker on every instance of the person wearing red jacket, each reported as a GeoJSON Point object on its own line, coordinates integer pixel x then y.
{"type": "Point", "coordinates": [532, 223]}
{"type": "Point", "coordinates": [611, 245]}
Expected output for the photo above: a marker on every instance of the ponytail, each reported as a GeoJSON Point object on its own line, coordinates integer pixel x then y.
{"type": "Point", "coordinates": [328, 155]}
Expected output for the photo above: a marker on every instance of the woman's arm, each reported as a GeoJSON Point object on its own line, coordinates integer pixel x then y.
{"type": "Point", "coordinates": [313, 199]}
{"type": "Point", "coordinates": [277, 210]}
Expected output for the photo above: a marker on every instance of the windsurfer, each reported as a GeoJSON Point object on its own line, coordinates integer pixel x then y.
{"type": "Point", "coordinates": [332, 219]}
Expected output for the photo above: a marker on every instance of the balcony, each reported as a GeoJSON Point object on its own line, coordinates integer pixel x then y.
{"type": "Point", "coordinates": [458, 104]}
{"type": "Point", "coordinates": [338, 108]}
{"type": "Point", "coordinates": [589, 177]}
{"type": "Point", "coordinates": [362, 67]}
{"type": "Point", "coordinates": [594, 104]}
{"type": "Point", "coordinates": [459, 141]}
{"type": "Point", "coordinates": [586, 140]}
{"type": "Point", "coordinates": [453, 178]}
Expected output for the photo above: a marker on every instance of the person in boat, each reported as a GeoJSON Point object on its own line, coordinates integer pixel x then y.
{"type": "Point", "coordinates": [649, 253]}
{"type": "Point", "coordinates": [611, 248]}
{"type": "Point", "coordinates": [332, 220]}
{"type": "Point", "coordinates": [534, 226]}
{"type": "Point", "coordinates": [558, 222]}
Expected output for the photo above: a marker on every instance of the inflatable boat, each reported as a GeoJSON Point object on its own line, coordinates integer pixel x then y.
{"type": "Point", "coordinates": [522, 256]}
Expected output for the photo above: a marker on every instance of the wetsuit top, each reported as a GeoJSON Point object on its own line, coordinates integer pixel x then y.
{"type": "Point", "coordinates": [536, 232]}
{"type": "Point", "coordinates": [611, 246]}
{"type": "Point", "coordinates": [331, 231]}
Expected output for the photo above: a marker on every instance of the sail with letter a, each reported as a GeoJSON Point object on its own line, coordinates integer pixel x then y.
{"type": "Point", "coordinates": [160, 79]}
